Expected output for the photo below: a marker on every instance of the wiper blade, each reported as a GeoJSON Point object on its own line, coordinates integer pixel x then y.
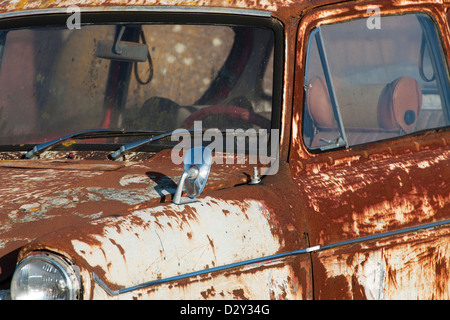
{"type": "Point", "coordinates": [90, 133]}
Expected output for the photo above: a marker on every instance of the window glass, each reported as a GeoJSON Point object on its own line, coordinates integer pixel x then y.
{"type": "Point", "coordinates": [55, 81]}
{"type": "Point", "coordinates": [366, 84]}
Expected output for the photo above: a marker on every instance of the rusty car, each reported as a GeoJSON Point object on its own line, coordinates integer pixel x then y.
{"type": "Point", "coordinates": [216, 149]}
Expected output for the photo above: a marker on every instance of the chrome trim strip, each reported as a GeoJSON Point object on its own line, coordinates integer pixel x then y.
{"type": "Point", "coordinates": [150, 9]}
{"type": "Point", "coordinates": [268, 258]}
{"type": "Point", "coordinates": [386, 234]}
{"type": "Point", "coordinates": [104, 286]}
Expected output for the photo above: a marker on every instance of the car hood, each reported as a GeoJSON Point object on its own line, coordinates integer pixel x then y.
{"type": "Point", "coordinates": [42, 196]}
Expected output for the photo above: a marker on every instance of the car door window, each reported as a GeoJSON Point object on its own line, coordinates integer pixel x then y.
{"type": "Point", "coordinates": [366, 84]}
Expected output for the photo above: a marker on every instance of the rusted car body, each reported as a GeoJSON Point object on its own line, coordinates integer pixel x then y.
{"type": "Point", "coordinates": [356, 207]}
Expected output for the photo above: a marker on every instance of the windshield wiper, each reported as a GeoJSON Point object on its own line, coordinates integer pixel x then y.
{"type": "Point", "coordinates": [137, 144]}
{"type": "Point", "coordinates": [85, 134]}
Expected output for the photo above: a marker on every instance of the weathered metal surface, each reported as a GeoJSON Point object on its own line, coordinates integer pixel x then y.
{"type": "Point", "coordinates": [132, 234]}
{"type": "Point", "coordinates": [413, 266]}
{"type": "Point", "coordinates": [208, 237]}
{"type": "Point", "coordinates": [11, 6]}
{"type": "Point", "coordinates": [160, 242]}
{"type": "Point", "coordinates": [40, 196]}
{"type": "Point", "coordinates": [373, 189]}
{"type": "Point", "coordinates": [275, 280]}
{"type": "Point", "coordinates": [376, 196]}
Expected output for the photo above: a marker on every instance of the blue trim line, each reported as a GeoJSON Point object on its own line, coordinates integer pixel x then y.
{"type": "Point", "coordinates": [268, 258]}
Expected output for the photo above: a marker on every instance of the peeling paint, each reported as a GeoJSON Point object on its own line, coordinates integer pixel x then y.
{"type": "Point", "coordinates": [404, 268]}
{"type": "Point", "coordinates": [213, 240]}
{"type": "Point", "coordinates": [372, 189]}
{"type": "Point", "coordinates": [116, 219]}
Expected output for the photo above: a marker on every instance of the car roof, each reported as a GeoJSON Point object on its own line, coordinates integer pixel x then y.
{"type": "Point", "coordinates": [277, 8]}
{"type": "Point", "coordinates": [24, 6]}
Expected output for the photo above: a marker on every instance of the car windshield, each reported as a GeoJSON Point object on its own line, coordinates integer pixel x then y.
{"type": "Point", "coordinates": [56, 81]}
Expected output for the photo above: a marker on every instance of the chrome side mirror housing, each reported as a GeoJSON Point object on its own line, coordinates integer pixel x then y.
{"type": "Point", "coordinates": [196, 165]}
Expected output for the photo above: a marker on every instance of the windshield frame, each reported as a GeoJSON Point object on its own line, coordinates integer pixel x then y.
{"type": "Point", "coordinates": [247, 18]}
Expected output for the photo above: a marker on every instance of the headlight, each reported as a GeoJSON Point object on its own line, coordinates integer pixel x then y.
{"type": "Point", "coordinates": [45, 276]}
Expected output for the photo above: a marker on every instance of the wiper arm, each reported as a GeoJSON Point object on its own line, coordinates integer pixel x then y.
{"type": "Point", "coordinates": [94, 133]}
{"type": "Point", "coordinates": [137, 144]}
{"type": "Point", "coordinates": [134, 145]}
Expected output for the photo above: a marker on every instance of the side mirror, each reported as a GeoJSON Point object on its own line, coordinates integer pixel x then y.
{"type": "Point", "coordinates": [196, 166]}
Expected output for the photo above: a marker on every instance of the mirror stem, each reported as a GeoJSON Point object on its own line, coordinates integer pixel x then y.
{"type": "Point", "coordinates": [179, 191]}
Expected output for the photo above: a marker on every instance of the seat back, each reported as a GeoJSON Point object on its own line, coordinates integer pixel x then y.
{"type": "Point", "coordinates": [387, 110]}
{"type": "Point", "coordinates": [399, 104]}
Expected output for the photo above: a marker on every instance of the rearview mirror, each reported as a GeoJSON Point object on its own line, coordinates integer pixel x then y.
{"type": "Point", "coordinates": [122, 50]}
{"type": "Point", "coordinates": [196, 166]}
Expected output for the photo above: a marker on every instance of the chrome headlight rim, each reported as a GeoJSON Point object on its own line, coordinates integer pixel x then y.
{"type": "Point", "coordinates": [68, 270]}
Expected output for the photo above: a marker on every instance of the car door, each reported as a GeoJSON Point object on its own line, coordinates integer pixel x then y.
{"type": "Point", "coordinates": [370, 155]}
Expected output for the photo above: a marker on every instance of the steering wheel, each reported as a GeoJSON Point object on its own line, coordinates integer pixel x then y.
{"type": "Point", "coordinates": [230, 111]}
